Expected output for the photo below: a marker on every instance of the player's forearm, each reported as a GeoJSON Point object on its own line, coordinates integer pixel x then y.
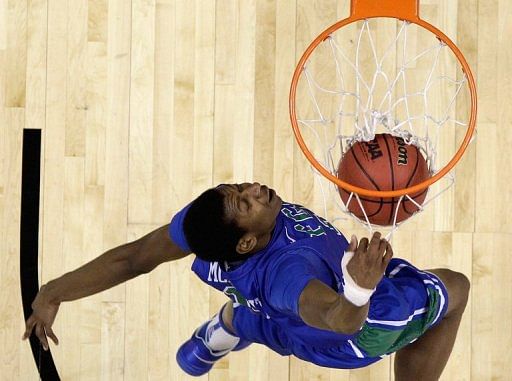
{"type": "Point", "coordinates": [106, 271]}
{"type": "Point", "coordinates": [345, 317]}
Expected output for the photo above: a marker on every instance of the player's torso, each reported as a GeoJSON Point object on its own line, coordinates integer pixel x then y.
{"type": "Point", "coordinates": [296, 227]}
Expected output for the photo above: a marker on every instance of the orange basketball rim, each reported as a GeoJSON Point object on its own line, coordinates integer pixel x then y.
{"type": "Point", "coordinates": [407, 10]}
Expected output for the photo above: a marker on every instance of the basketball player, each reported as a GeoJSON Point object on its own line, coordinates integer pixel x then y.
{"type": "Point", "coordinates": [296, 285]}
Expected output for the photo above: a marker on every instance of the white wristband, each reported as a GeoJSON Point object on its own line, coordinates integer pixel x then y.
{"type": "Point", "coordinates": [354, 293]}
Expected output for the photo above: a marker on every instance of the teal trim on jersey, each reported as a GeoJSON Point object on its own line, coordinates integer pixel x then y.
{"type": "Point", "coordinates": [378, 341]}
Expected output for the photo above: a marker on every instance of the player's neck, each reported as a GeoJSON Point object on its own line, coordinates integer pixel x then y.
{"type": "Point", "coordinates": [263, 241]}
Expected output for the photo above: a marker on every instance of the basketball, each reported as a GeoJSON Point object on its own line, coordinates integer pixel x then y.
{"type": "Point", "coordinates": [385, 163]}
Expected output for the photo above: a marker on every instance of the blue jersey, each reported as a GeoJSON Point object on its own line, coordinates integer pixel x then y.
{"type": "Point", "coordinates": [266, 289]}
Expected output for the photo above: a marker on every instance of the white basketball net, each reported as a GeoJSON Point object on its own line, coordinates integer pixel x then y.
{"type": "Point", "coordinates": [382, 75]}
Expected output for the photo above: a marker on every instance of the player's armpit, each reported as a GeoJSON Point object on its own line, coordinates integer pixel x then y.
{"type": "Point", "coordinates": [155, 248]}
{"type": "Point", "coordinates": [322, 307]}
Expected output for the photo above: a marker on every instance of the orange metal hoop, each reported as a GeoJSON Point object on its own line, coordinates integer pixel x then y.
{"type": "Point", "coordinates": [404, 10]}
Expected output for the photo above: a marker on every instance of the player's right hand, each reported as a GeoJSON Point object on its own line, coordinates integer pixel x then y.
{"type": "Point", "coordinates": [370, 260]}
{"type": "Point", "coordinates": [42, 318]}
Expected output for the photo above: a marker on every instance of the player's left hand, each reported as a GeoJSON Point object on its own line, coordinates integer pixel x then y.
{"type": "Point", "coordinates": [42, 318]}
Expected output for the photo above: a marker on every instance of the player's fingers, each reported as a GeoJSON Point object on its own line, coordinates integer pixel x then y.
{"type": "Point", "coordinates": [363, 245]}
{"type": "Point", "coordinates": [374, 243]}
{"type": "Point", "coordinates": [383, 244]}
{"type": "Point", "coordinates": [387, 257]}
{"type": "Point", "coordinates": [29, 326]}
{"type": "Point", "coordinates": [51, 335]}
{"type": "Point", "coordinates": [375, 240]}
{"type": "Point", "coordinates": [41, 336]}
{"type": "Point", "coordinates": [353, 244]}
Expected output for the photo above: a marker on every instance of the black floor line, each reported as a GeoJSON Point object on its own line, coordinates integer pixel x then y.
{"type": "Point", "coordinates": [30, 178]}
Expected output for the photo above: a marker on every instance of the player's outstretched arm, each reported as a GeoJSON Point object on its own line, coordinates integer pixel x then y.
{"type": "Point", "coordinates": [115, 266]}
{"type": "Point", "coordinates": [322, 307]}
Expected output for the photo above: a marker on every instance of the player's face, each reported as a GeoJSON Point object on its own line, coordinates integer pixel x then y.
{"type": "Point", "coordinates": [253, 206]}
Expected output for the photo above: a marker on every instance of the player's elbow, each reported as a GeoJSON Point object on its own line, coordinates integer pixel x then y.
{"type": "Point", "coordinates": [138, 264]}
{"type": "Point", "coordinates": [140, 270]}
{"type": "Point", "coordinates": [135, 265]}
{"type": "Point", "coordinates": [346, 328]}
{"type": "Point", "coordinates": [345, 318]}
{"type": "Point", "coordinates": [153, 249]}
{"type": "Point", "coordinates": [321, 307]}
{"type": "Point", "coordinates": [138, 259]}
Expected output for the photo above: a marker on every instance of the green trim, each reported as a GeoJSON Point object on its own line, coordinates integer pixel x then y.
{"type": "Point", "coordinates": [378, 341]}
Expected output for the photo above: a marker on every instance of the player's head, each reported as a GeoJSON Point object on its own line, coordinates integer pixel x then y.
{"type": "Point", "coordinates": [231, 221]}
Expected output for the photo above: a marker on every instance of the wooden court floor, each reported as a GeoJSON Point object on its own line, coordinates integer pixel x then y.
{"type": "Point", "coordinates": [143, 104]}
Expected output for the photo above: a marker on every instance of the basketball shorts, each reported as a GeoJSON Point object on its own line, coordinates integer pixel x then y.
{"type": "Point", "coordinates": [405, 305]}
